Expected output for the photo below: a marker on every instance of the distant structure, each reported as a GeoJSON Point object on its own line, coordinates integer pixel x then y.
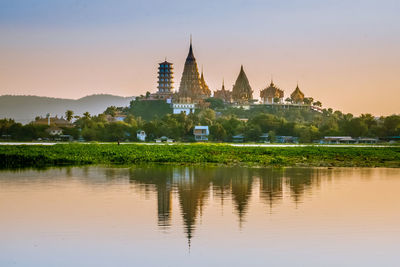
{"type": "Point", "coordinates": [194, 90]}
{"type": "Point", "coordinates": [271, 94]}
{"type": "Point", "coordinates": [204, 86]}
{"type": "Point", "coordinates": [141, 135]}
{"type": "Point", "coordinates": [201, 133]}
{"type": "Point", "coordinates": [53, 130]}
{"type": "Point", "coordinates": [52, 121]}
{"type": "Point", "coordinates": [183, 105]}
{"type": "Point", "coordinates": [223, 94]}
{"type": "Point", "coordinates": [242, 92]}
{"type": "Point", "coordinates": [165, 81]}
{"type": "Point", "coordinates": [191, 84]}
{"type": "Point", "coordinates": [297, 96]}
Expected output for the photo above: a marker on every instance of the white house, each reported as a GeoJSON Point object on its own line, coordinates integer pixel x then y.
{"type": "Point", "coordinates": [186, 108]}
{"type": "Point", "coordinates": [201, 133]}
{"type": "Point", "coordinates": [141, 135]}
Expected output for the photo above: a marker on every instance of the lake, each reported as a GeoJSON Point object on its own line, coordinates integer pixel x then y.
{"type": "Point", "coordinates": [199, 216]}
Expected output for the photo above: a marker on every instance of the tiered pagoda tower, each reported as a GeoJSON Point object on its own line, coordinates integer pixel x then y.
{"type": "Point", "coordinates": [242, 92]}
{"type": "Point", "coordinates": [165, 78]}
{"type": "Point", "coordinates": [191, 84]}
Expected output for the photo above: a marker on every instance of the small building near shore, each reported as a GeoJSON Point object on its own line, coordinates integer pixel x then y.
{"type": "Point", "coordinates": [141, 135]}
{"type": "Point", "coordinates": [338, 140]}
{"type": "Point", "coordinates": [201, 133]}
{"type": "Point", "coordinates": [238, 138]}
{"type": "Point", "coordinates": [264, 138]}
{"type": "Point", "coordinates": [287, 139]}
{"type": "Point", "coordinates": [164, 139]}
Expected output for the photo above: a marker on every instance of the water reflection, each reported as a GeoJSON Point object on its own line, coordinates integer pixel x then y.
{"type": "Point", "coordinates": [193, 185]}
{"type": "Point", "coordinates": [142, 209]}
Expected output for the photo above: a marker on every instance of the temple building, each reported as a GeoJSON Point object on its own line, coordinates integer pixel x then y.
{"type": "Point", "coordinates": [191, 84]}
{"type": "Point", "coordinates": [271, 94]}
{"type": "Point", "coordinates": [223, 94]}
{"type": "Point", "coordinates": [297, 96]}
{"type": "Point", "coordinates": [204, 86]}
{"type": "Point", "coordinates": [165, 81]}
{"type": "Point", "coordinates": [242, 92]}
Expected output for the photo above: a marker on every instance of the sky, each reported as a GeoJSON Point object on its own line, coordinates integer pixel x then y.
{"type": "Point", "coordinates": [343, 53]}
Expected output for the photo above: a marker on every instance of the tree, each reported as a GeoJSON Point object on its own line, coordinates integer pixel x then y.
{"type": "Point", "coordinates": [69, 115]}
{"type": "Point", "coordinates": [86, 115]}
{"type": "Point", "coordinates": [253, 132]}
{"type": "Point", "coordinates": [308, 100]}
{"type": "Point", "coordinates": [207, 116]}
{"type": "Point", "coordinates": [272, 136]}
{"type": "Point", "coordinates": [112, 111]}
{"type": "Point", "coordinates": [148, 94]}
{"type": "Point", "coordinates": [317, 103]}
{"type": "Point", "coordinates": [217, 132]}
{"type": "Point", "coordinates": [215, 103]}
{"type": "Point", "coordinates": [391, 125]}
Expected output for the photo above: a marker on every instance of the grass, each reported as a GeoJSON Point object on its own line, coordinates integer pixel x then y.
{"type": "Point", "coordinates": [83, 154]}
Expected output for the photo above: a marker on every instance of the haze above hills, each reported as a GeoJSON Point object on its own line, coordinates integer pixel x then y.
{"type": "Point", "coordinates": [24, 108]}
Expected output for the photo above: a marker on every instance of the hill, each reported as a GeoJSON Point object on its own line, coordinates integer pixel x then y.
{"type": "Point", "coordinates": [24, 109]}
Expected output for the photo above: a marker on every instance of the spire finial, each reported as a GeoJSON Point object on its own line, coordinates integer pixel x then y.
{"type": "Point", "coordinates": [190, 39]}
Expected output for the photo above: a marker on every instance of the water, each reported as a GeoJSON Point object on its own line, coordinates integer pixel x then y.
{"type": "Point", "coordinates": [199, 216]}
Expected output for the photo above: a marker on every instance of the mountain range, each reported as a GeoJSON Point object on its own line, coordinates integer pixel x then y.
{"type": "Point", "coordinates": [24, 108]}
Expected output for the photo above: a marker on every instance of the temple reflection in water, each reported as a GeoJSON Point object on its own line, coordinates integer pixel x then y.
{"type": "Point", "coordinates": [194, 185]}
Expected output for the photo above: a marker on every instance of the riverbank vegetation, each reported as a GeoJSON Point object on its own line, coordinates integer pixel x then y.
{"type": "Point", "coordinates": [224, 123]}
{"type": "Point", "coordinates": [82, 154]}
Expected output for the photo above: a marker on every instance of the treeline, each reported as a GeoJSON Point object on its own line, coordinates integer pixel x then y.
{"type": "Point", "coordinates": [224, 123]}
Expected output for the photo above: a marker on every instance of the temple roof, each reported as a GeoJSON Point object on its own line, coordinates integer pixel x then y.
{"type": "Point", "coordinates": [206, 89]}
{"type": "Point", "coordinates": [223, 94]}
{"type": "Point", "coordinates": [191, 84]}
{"type": "Point", "coordinates": [272, 91]}
{"type": "Point", "coordinates": [166, 63]}
{"type": "Point", "coordinates": [190, 56]}
{"type": "Point", "coordinates": [242, 90]}
{"type": "Point", "coordinates": [297, 95]}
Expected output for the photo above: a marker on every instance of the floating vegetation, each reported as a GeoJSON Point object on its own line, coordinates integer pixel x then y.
{"type": "Point", "coordinates": [83, 154]}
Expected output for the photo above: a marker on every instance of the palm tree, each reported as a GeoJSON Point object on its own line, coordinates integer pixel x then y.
{"type": "Point", "coordinates": [86, 115]}
{"type": "Point", "coordinates": [69, 115]}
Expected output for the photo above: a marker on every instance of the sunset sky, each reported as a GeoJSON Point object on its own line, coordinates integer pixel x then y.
{"type": "Point", "coordinates": [344, 53]}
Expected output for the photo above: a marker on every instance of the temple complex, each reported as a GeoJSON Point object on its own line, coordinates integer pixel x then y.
{"type": "Point", "coordinates": [271, 94]}
{"type": "Point", "coordinates": [194, 91]}
{"type": "Point", "coordinates": [191, 84]}
{"type": "Point", "coordinates": [297, 96]}
{"type": "Point", "coordinates": [242, 92]}
{"type": "Point", "coordinates": [223, 94]}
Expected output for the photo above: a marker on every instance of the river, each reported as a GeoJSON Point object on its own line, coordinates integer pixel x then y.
{"type": "Point", "coordinates": [199, 216]}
